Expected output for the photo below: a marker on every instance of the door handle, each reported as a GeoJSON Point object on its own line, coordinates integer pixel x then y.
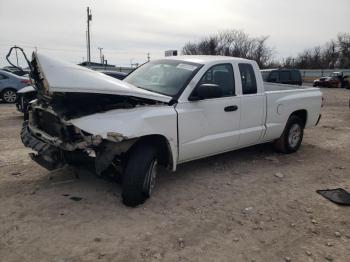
{"type": "Point", "coordinates": [231, 108]}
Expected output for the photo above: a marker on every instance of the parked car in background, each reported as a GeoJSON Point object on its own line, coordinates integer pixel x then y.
{"type": "Point", "coordinates": [115, 74]}
{"type": "Point", "coordinates": [10, 84]}
{"type": "Point", "coordinates": [282, 76]}
{"type": "Point", "coordinates": [166, 112]}
{"type": "Point", "coordinates": [336, 79]}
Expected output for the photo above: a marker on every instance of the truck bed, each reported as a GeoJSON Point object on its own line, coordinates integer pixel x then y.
{"type": "Point", "coordinates": [282, 100]}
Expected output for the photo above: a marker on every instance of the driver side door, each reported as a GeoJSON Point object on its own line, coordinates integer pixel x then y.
{"type": "Point", "coordinates": [210, 126]}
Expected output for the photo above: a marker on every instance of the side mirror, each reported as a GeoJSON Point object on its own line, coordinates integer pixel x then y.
{"type": "Point", "coordinates": [205, 91]}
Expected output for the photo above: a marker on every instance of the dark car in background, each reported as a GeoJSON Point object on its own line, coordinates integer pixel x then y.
{"type": "Point", "coordinates": [282, 76]}
{"type": "Point", "coordinates": [336, 79]}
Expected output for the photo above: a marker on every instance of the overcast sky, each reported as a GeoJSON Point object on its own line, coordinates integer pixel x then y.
{"type": "Point", "coordinates": [128, 29]}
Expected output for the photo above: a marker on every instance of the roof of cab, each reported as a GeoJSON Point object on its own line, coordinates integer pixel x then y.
{"type": "Point", "coordinates": [202, 59]}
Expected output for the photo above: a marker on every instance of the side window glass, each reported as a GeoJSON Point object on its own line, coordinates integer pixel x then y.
{"type": "Point", "coordinates": [273, 76]}
{"type": "Point", "coordinates": [295, 75]}
{"type": "Point", "coordinates": [284, 76]}
{"type": "Point", "coordinates": [248, 79]}
{"type": "Point", "coordinates": [221, 75]}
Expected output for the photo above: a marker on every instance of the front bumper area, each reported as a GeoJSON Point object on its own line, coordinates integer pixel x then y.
{"type": "Point", "coordinates": [47, 155]}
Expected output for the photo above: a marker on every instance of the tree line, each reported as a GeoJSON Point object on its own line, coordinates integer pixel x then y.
{"type": "Point", "coordinates": [237, 43]}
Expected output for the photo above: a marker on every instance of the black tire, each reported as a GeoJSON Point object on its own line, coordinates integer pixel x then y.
{"type": "Point", "coordinates": [138, 178]}
{"type": "Point", "coordinates": [289, 142]}
{"type": "Point", "coordinates": [9, 95]}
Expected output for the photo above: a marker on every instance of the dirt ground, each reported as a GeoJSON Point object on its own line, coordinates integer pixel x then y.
{"type": "Point", "coordinates": [247, 205]}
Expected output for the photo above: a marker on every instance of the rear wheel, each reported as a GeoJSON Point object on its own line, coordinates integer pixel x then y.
{"type": "Point", "coordinates": [9, 95]}
{"type": "Point", "coordinates": [140, 174]}
{"type": "Point", "coordinates": [291, 137]}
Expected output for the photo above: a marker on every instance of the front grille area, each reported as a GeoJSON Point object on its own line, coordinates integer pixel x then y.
{"type": "Point", "coordinates": [48, 123]}
{"type": "Point", "coordinates": [52, 125]}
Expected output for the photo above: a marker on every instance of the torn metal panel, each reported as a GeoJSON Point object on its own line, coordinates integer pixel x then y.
{"type": "Point", "coordinates": [108, 151]}
{"type": "Point", "coordinates": [116, 137]}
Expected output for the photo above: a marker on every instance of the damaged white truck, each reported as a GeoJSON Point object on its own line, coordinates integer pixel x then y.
{"type": "Point", "coordinates": [166, 112]}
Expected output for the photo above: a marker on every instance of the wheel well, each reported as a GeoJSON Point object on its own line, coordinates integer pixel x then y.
{"type": "Point", "coordinates": [161, 143]}
{"type": "Point", "coordinates": [8, 88]}
{"type": "Point", "coordinates": [302, 114]}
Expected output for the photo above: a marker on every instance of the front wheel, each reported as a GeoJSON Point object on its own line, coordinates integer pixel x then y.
{"type": "Point", "coordinates": [140, 174]}
{"type": "Point", "coordinates": [292, 136]}
{"type": "Point", "coordinates": [9, 95]}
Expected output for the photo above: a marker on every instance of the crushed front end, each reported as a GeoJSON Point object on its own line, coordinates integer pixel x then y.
{"type": "Point", "coordinates": [55, 140]}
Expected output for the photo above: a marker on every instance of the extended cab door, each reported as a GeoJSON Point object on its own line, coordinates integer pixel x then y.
{"type": "Point", "coordinates": [253, 104]}
{"type": "Point", "coordinates": [210, 126]}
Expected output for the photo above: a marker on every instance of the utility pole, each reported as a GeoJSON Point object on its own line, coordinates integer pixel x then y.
{"type": "Point", "coordinates": [89, 18]}
{"type": "Point", "coordinates": [101, 57]}
{"type": "Point", "coordinates": [16, 56]}
{"type": "Point", "coordinates": [148, 57]}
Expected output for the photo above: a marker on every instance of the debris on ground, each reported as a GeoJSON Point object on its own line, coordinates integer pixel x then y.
{"type": "Point", "coordinates": [247, 210]}
{"type": "Point", "coordinates": [181, 242]}
{"type": "Point", "coordinates": [338, 196]}
{"type": "Point", "coordinates": [308, 253]}
{"type": "Point", "coordinates": [279, 175]}
{"type": "Point", "coordinates": [272, 159]}
{"type": "Point", "coordinates": [329, 258]}
{"type": "Point", "coordinates": [74, 198]}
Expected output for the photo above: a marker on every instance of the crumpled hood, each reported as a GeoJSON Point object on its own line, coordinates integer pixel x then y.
{"type": "Point", "coordinates": [61, 76]}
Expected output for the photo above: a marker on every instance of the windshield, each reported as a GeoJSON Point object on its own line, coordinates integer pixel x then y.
{"type": "Point", "coordinates": [165, 76]}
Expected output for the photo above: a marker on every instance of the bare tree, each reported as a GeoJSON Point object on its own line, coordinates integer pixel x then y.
{"type": "Point", "coordinates": [344, 49]}
{"type": "Point", "coordinates": [335, 53]}
{"type": "Point", "coordinates": [233, 43]}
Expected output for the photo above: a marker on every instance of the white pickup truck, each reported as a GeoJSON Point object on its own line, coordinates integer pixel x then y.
{"type": "Point", "coordinates": [166, 112]}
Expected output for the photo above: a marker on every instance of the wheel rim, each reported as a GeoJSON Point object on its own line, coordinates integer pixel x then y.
{"type": "Point", "coordinates": [10, 96]}
{"type": "Point", "coordinates": [294, 135]}
{"type": "Point", "coordinates": [150, 180]}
